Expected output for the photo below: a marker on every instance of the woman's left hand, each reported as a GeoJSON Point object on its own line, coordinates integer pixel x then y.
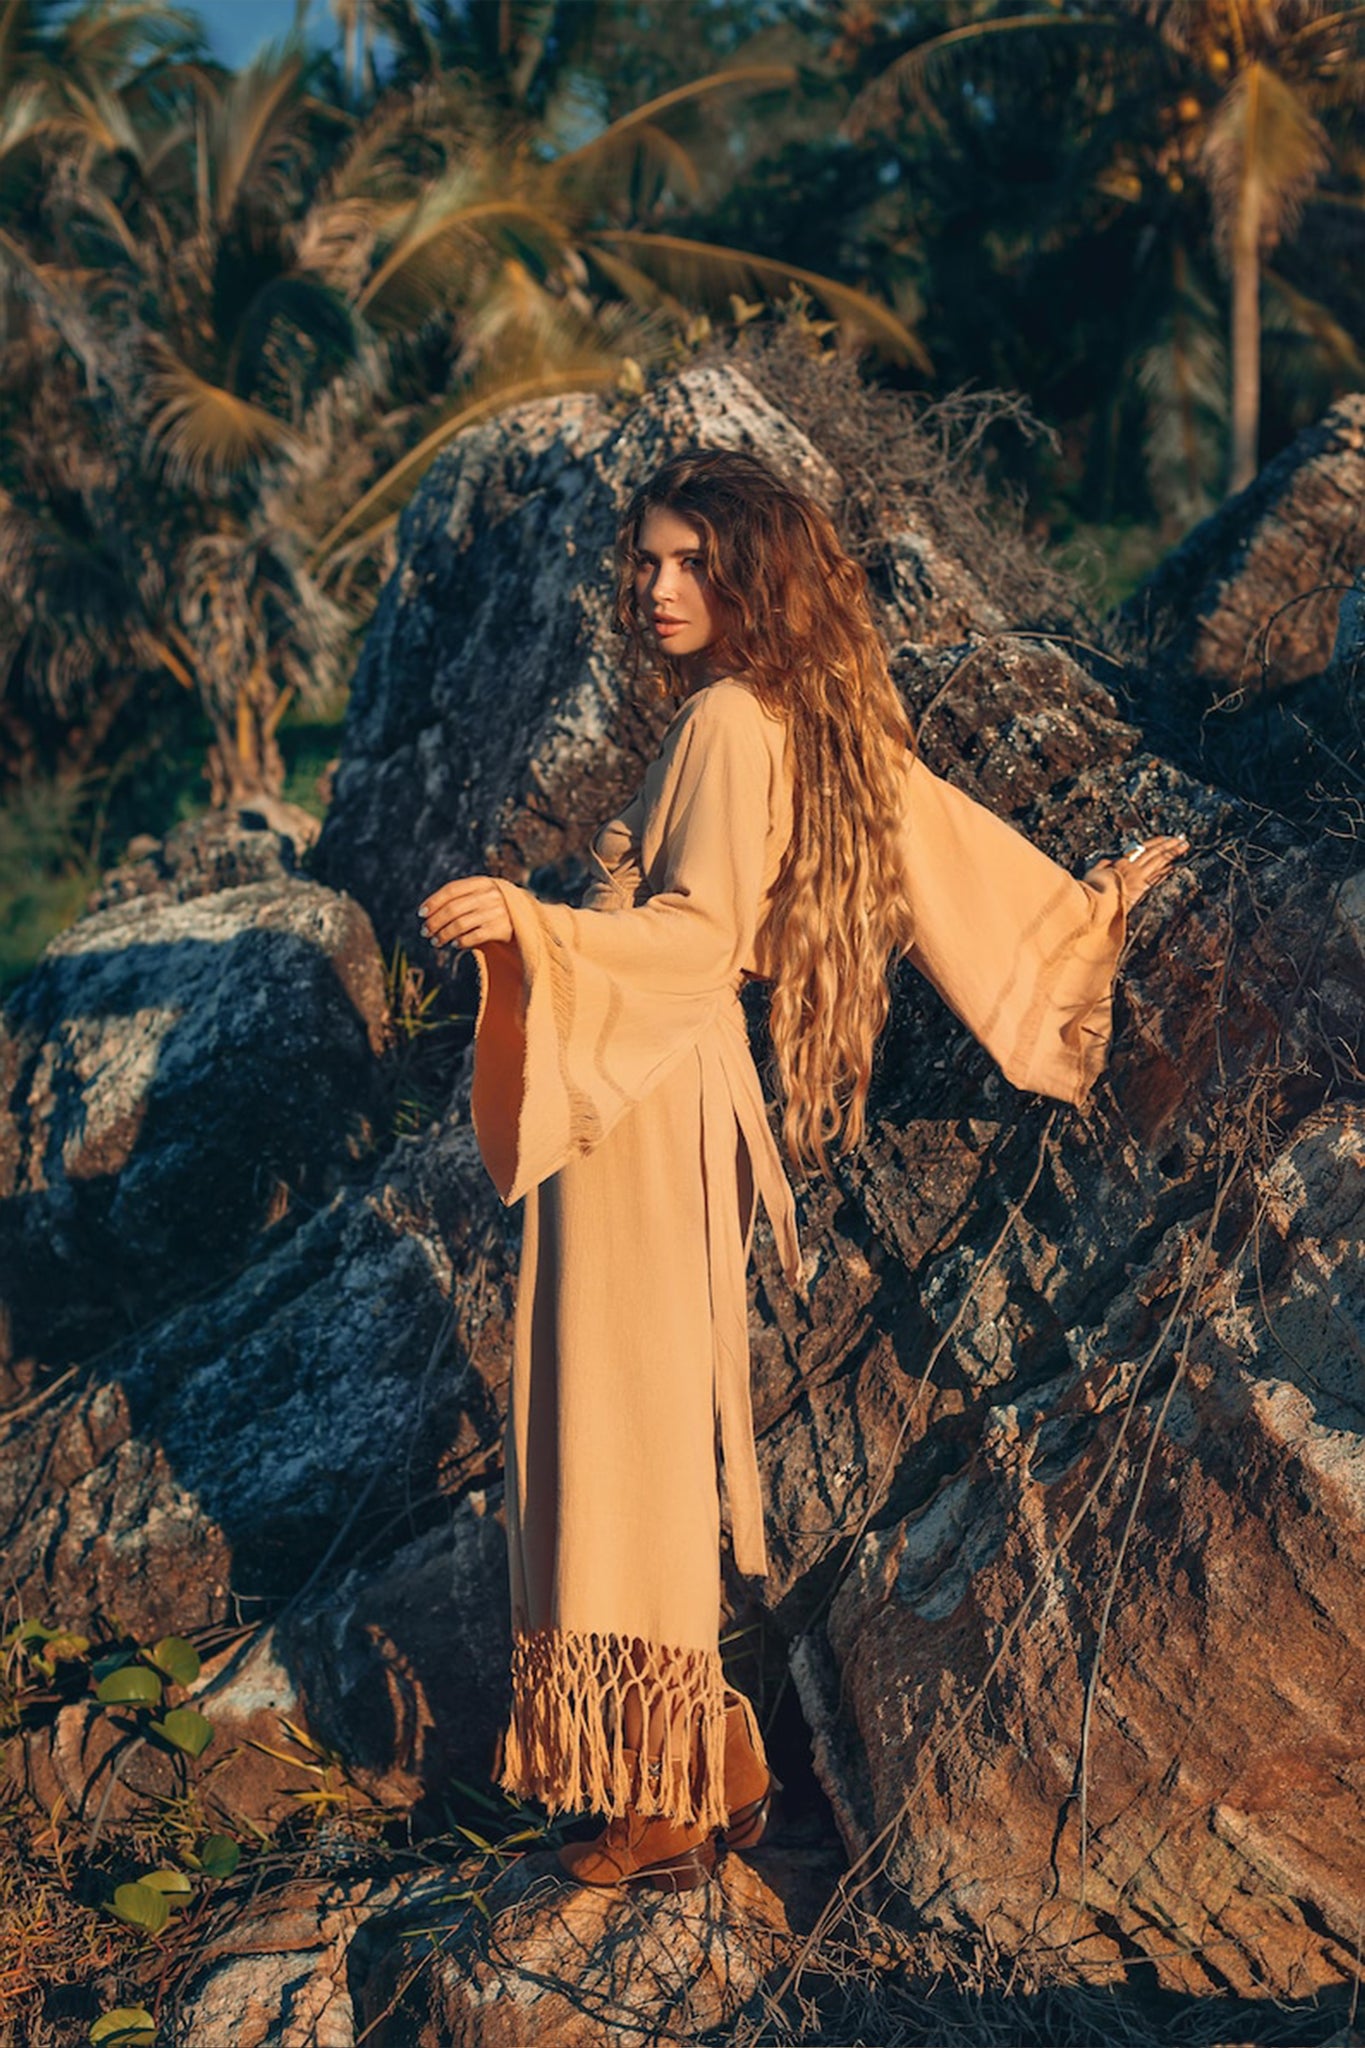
{"type": "Point", "coordinates": [1146, 863]}
{"type": "Point", "coordinates": [467, 913]}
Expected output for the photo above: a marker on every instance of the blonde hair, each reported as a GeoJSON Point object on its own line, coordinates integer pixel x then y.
{"type": "Point", "coordinates": [796, 625]}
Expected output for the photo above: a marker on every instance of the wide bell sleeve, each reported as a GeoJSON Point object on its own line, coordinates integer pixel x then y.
{"type": "Point", "coordinates": [1022, 952]}
{"type": "Point", "coordinates": [586, 1010]}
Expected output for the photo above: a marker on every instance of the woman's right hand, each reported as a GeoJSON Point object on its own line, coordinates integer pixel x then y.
{"type": "Point", "coordinates": [467, 913]}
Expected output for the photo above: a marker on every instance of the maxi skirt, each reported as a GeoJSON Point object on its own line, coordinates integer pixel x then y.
{"type": "Point", "coordinates": [626, 1587]}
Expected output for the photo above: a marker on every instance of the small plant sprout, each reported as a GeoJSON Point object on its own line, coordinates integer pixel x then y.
{"type": "Point", "coordinates": [126, 2026]}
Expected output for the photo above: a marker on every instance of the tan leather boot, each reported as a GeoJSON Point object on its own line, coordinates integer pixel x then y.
{"type": "Point", "coordinates": [749, 1784]}
{"type": "Point", "coordinates": [656, 1851]}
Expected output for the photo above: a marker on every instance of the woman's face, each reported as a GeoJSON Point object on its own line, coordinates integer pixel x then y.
{"type": "Point", "coordinates": [671, 590]}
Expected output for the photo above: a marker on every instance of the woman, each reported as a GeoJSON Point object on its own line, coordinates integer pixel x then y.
{"type": "Point", "coordinates": [785, 830]}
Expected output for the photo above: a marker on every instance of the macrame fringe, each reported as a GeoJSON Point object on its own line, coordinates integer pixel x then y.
{"type": "Point", "coordinates": [565, 1744]}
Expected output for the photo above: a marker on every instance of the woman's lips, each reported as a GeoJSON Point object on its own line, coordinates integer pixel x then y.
{"type": "Point", "coordinates": [664, 627]}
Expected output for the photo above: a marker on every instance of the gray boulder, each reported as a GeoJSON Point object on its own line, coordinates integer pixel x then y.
{"type": "Point", "coordinates": [179, 1073]}
{"type": "Point", "coordinates": [334, 1394]}
{"type": "Point", "coordinates": [1250, 599]}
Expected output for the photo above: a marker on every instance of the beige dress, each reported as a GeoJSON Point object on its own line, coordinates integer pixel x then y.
{"type": "Point", "coordinates": [615, 1091]}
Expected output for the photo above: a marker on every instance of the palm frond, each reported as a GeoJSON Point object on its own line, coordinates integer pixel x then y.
{"type": "Point", "coordinates": [448, 229]}
{"type": "Point", "coordinates": [27, 113]}
{"type": "Point", "coordinates": [528, 331]}
{"type": "Point", "coordinates": [1295, 312]}
{"type": "Point", "coordinates": [102, 119]}
{"type": "Point", "coordinates": [158, 150]}
{"type": "Point", "coordinates": [101, 207]}
{"type": "Point", "coordinates": [652, 155]}
{"type": "Point", "coordinates": [1182, 375]}
{"type": "Point", "coordinates": [640, 133]}
{"type": "Point", "coordinates": [361, 170]}
{"type": "Point", "coordinates": [203, 432]}
{"type": "Point", "coordinates": [909, 78]}
{"type": "Point", "coordinates": [51, 288]}
{"type": "Point", "coordinates": [372, 511]}
{"type": "Point", "coordinates": [13, 21]}
{"type": "Point", "coordinates": [635, 285]}
{"type": "Point", "coordinates": [1263, 153]}
{"type": "Point", "coordinates": [1346, 200]}
{"type": "Point", "coordinates": [105, 39]}
{"type": "Point", "coordinates": [401, 21]}
{"type": "Point", "coordinates": [305, 304]}
{"type": "Point", "coordinates": [1303, 39]}
{"type": "Point", "coordinates": [337, 239]}
{"type": "Point", "coordinates": [249, 124]}
{"type": "Point", "coordinates": [706, 270]}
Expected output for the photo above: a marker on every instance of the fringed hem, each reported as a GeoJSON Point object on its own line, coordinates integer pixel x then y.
{"type": "Point", "coordinates": [565, 1744]}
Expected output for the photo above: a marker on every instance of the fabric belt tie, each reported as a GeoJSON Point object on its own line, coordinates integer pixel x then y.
{"type": "Point", "coordinates": [731, 1095]}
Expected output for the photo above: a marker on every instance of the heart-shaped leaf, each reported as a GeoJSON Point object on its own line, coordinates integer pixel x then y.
{"type": "Point", "coordinates": [114, 1661]}
{"type": "Point", "coordinates": [141, 1906]}
{"type": "Point", "coordinates": [185, 1729]}
{"type": "Point", "coordinates": [219, 1856]}
{"type": "Point", "coordinates": [127, 2026]}
{"type": "Point", "coordinates": [174, 1886]}
{"type": "Point", "coordinates": [177, 1658]}
{"type": "Point", "coordinates": [131, 1683]}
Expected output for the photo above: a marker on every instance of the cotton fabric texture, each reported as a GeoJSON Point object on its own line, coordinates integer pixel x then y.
{"type": "Point", "coordinates": [615, 1092]}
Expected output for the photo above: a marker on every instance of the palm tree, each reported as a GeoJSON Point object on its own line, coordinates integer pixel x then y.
{"type": "Point", "coordinates": [278, 303]}
{"type": "Point", "coordinates": [558, 282]}
{"type": "Point", "coordinates": [1236, 100]}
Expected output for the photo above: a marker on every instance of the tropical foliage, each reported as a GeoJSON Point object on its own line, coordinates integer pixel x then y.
{"type": "Point", "coordinates": [1209, 124]}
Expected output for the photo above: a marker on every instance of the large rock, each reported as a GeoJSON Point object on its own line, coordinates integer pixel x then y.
{"type": "Point", "coordinates": [178, 1073]}
{"type": "Point", "coordinates": [1249, 600]}
{"type": "Point", "coordinates": [338, 1391]}
{"type": "Point", "coordinates": [538, 1958]}
{"type": "Point", "coordinates": [492, 1952]}
{"type": "Point", "coordinates": [1097, 1688]}
{"type": "Point", "coordinates": [1246, 639]}
{"type": "Point", "coordinates": [404, 1668]}
{"type": "Point", "coordinates": [266, 840]}
{"type": "Point", "coordinates": [276, 1975]}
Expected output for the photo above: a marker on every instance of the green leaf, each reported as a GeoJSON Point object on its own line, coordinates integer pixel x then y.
{"type": "Point", "coordinates": [177, 1658]}
{"type": "Point", "coordinates": [219, 1856]}
{"type": "Point", "coordinates": [115, 1661]}
{"type": "Point", "coordinates": [185, 1729]}
{"type": "Point", "coordinates": [28, 1632]}
{"type": "Point", "coordinates": [126, 2026]}
{"type": "Point", "coordinates": [141, 1905]}
{"type": "Point", "coordinates": [63, 1646]}
{"type": "Point", "coordinates": [131, 1683]}
{"type": "Point", "coordinates": [174, 1886]}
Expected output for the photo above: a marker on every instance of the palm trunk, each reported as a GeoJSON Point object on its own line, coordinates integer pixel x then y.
{"type": "Point", "coordinates": [245, 759]}
{"type": "Point", "coordinates": [1246, 336]}
{"type": "Point", "coordinates": [1180, 366]}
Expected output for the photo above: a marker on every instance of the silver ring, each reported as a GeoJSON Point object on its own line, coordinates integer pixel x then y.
{"type": "Point", "coordinates": [1134, 848]}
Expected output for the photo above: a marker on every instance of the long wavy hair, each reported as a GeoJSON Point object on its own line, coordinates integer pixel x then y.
{"type": "Point", "coordinates": [795, 624]}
